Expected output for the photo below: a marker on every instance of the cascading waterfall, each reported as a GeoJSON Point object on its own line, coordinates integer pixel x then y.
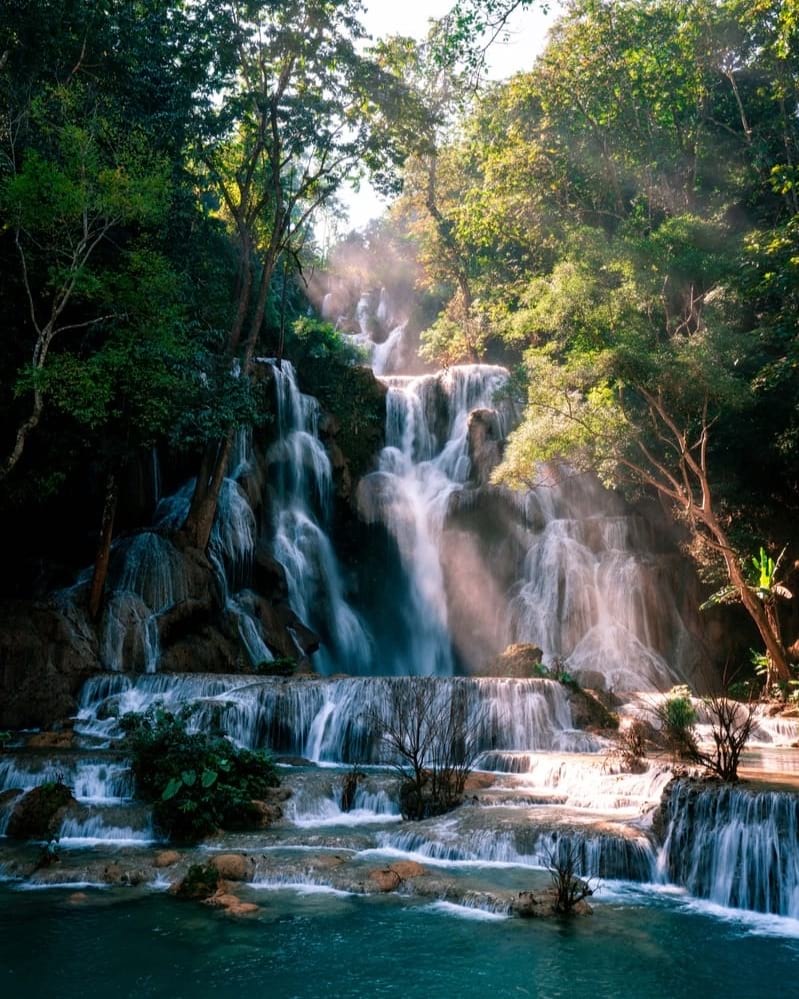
{"type": "Point", "coordinates": [336, 721]}
{"type": "Point", "coordinates": [592, 594]}
{"type": "Point", "coordinates": [300, 542]}
{"type": "Point", "coordinates": [737, 847]}
{"type": "Point", "coordinates": [426, 460]}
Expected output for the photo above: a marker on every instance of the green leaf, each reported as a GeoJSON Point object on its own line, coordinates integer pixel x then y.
{"type": "Point", "coordinates": [209, 778]}
{"type": "Point", "coordinates": [172, 789]}
{"type": "Point", "coordinates": [189, 778]}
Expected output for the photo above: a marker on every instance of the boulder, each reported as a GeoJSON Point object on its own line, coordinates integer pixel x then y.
{"type": "Point", "coordinates": [233, 866]}
{"type": "Point", "coordinates": [201, 881]}
{"type": "Point", "coordinates": [46, 654]}
{"type": "Point", "coordinates": [265, 814]}
{"type": "Point", "coordinates": [485, 445]}
{"type": "Point", "coordinates": [38, 814]}
{"type": "Point", "coordinates": [166, 858]}
{"type": "Point", "coordinates": [408, 869]}
{"type": "Point", "coordinates": [384, 880]}
{"type": "Point", "coordinates": [520, 661]}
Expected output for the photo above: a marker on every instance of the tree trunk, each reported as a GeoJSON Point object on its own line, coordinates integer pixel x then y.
{"type": "Point", "coordinates": [202, 513]}
{"type": "Point", "coordinates": [777, 655]}
{"type": "Point", "coordinates": [103, 556]}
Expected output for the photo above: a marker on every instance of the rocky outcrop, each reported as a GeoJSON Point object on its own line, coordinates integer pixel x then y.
{"type": "Point", "coordinates": [38, 814]}
{"type": "Point", "coordinates": [47, 651]}
{"type": "Point", "coordinates": [519, 661]}
{"type": "Point", "coordinates": [485, 445]}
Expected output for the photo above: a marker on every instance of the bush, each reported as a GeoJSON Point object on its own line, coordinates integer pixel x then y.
{"type": "Point", "coordinates": [432, 743]}
{"type": "Point", "coordinates": [333, 371]}
{"type": "Point", "coordinates": [678, 718]}
{"type": "Point", "coordinates": [197, 783]}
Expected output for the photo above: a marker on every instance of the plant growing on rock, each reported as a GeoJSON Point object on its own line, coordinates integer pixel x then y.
{"type": "Point", "coordinates": [731, 727]}
{"type": "Point", "coordinates": [631, 747]}
{"type": "Point", "coordinates": [562, 861]}
{"type": "Point", "coordinates": [432, 742]}
{"type": "Point", "coordinates": [678, 718]}
{"type": "Point", "coordinates": [197, 783]}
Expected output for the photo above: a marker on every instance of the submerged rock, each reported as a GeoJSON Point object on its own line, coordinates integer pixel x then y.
{"type": "Point", "coordinates": [234, 866]}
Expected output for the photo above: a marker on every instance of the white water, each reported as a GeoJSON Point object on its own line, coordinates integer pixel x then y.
{"type": "Point", "coordinates": [735, 847]}
{"type": "Point", "coordinates": [334, 721]}
{"type": "Point", "coordinates": [426, 460]}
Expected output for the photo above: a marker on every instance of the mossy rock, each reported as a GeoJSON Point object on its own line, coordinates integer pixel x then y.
{"type": "Point", "coordinates": [37, 814]}
{"type": "Point", "coordinates": [200, 882]}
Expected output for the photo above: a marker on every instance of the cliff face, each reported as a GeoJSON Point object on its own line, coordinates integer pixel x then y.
{"type": "Point", "coordinates": [234, 609]}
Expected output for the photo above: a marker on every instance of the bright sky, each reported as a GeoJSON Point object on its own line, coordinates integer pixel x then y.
{"type": "Point", "coordinates": [527, 32]}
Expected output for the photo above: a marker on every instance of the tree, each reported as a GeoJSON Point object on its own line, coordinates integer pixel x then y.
{"type": "Point", "coordinates": [62, 205]}
{"type": "Point", "coordinates": [304, 113]}
{"type": "Point", "coordinates": [432, 741]}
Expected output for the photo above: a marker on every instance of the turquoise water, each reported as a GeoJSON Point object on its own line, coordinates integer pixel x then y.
{"type": "Point", "coordinates": [342, 947]}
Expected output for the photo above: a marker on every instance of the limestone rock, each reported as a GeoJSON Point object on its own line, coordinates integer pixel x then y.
{"type": "Point", "coordinates": [520, 661]}
{"type": "Point", "coordinates": [384, 880]}
{"type": "Point", "coordinates": [408, 869]}
{"type": "Point", "coordinates": [38, 814]}
{"type": "Point", "coordinates": [166, 858]}
{"type": "Point", "coordinates": [51, 740]}
{"type": "Point", "coordinates": [233, 866]}
{"type": "Point", "coordinates": [485, 445]}
{"type": "Point", "coordinates": [46, 654]}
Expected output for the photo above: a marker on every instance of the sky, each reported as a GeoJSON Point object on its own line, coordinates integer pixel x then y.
{"type": "Point", "coordinates": [527, 35]}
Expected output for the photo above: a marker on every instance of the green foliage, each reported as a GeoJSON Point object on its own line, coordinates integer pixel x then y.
{"type": "Point", "coordinates": [331, 369]}
{"type": "Point", "coordinates": [280, 666]}
{"type": "Point", "coordinates": [197, 783]}
{"type": "Point", "coordinates": [201, 881]}
{"type": "Point", "coordinates": [678, 719]}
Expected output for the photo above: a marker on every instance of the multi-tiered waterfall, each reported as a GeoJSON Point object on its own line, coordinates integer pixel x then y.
{"type": "Point", "coordinates": [468, 568]}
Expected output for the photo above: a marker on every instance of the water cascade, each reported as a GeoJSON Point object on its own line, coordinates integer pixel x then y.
{"type": "Point", "coordinates": [335, 721]}
{"type": "Point", "coordinates": [425, 461]}
{"type": "Point", "coordinates": [737, 847]}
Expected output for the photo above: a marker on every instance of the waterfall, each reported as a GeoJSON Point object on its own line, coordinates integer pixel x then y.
{"type": "Point", "coordinates": [335, 721]}
{"type": "Point", "coordinates": [595, 593]}
{"type": "Point", "coordinates": [425, 461]}
{"type": "Point", "coordinates": [735, 846]}
{"type": "Point", "coordinates": [299, 538]}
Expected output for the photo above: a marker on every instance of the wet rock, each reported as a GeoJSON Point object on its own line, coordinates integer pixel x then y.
{"type": "Point", "coordinates": [265, 814]}
{"type": "Point", "coordinates": [294, 761]}
{"type": "Point", "coordinates": [46, 654]}
{"type": "Point", "coordinates": [327, 862]}
{"type": "Point", "coordinates": [78, 898]}
{"type": "Point", "coordinates": [230, 903]}
{"type": "Point", "coordinates": [520, 661]}
{"type": "Point", "coordinates": [589, 712]}
{"type": "Point", "coordinates": [384, 880]}
{"type": "Point", "coordinates": [38, 814]}
{"type": "Point", "coordinates": [408, 869]}
{"type": "Point", "coordinates": [233, 866]}
{"type": "Point", "coordinates": [485, 445]}
{"type": "Point", "coordinates": [387, 879]}
{"type": "Point", "coordinates": [166, 858]}
{"type": "Point", "coordinates": [201, 881]}
{"type": "Point", "coordinates": [51, 740]}
{"type": "Point", "coordinates": [9, 794]}
{"type": "Point", "coordinates": [477, 781]}
{"type": "Point", "coordinates": [269, 576]}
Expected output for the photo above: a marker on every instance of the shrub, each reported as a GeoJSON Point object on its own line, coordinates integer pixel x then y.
{"type": "Point", "coordinates": [432, 742]}
{"type": "Point", "coordinates": [197, 783]}
{"type": "Point", "coordinates": [562, 861]}
{"type": "Point", "coordinates": [678, 719]}
{"type": "Point", "coordinates": [631, 749]}
{"type": "Point", "coordinates": [731, 727]}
